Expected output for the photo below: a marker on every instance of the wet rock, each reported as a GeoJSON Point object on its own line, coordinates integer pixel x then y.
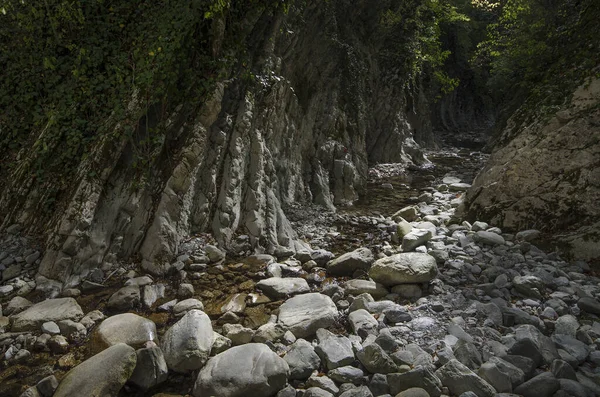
{"type": "Point", "coordinates": [185, 291]}
{"type": "Point", "coordinates": [139, 281]}
{"type": "Point", "coordinates": [543, 385]}
{"type": "Point", "coordinates": [302, 359]}
{"type": "Point", "coordinates": [334, 350]}
{"type": "Point", "coordinates": [528, 235]}
{"type": "Point", "coordinates": [74, 331]}
{"type": "Point", "coordinates": [459, 379]}
{"type": "Point", "coordinates": [187, 344]}
{"type": "Point", "coordinates": [405, 268]}
{"type": "Point", "coordinates": [304, 314]}
{"type": "Point", "coordinates": [346, 264]}
{"type": "Point", "coordinates": [214, 254]}
{"type": "Point", "coordinates": [280, 288]}
{"type": "Point", "coordinates": [101, 375]}
{"type": "Point", "coordinates": [55, 310]}
{"type": "Point", "coordinates": [248, 370]}
{"type": "Point", "coordinates": [127, 328]}
{"type": "Point", "coordinates": [151, 368]}
{"type": "Point", "coordinates": [125, 299]}
{"type": "Point", "coordinates": [58, 344]}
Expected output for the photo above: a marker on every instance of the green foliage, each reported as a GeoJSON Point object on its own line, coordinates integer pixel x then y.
{"type": "Point", "coordinates": [413, 30]}
{"type": "Point", "coordinates": [72, 68]}
{"type": "Point", "coordinates": [539, 47]}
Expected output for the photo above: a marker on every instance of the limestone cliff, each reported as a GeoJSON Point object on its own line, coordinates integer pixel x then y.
{"type": "Point", "coordinates": [298, 123]}
{"type": "Point", "coordinates": [546, 175]}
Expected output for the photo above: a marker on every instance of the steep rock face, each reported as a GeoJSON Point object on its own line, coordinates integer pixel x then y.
{"type": "Point", "coordinates": [310, 110]}
{"type": "Point", "coordinates": [548, 177]}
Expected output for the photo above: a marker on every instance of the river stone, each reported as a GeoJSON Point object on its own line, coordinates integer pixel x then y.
{"type": "Point", "coordinates": [280, 288]}
{"type": "Point", "coordinates": [589, 305]}
{"type": "Point", "coordinates": [489, 238]}
{"type": "Point", "coordinates": [543, 385]}
{"type": "Point", "coordinates": [247, 370]}
{"type": "Point", "coordinates": [407, 213]}
{"type": "Point", "coordinates": [127, 328]}
{"type": "Point", "coordinates": [102, 375]}
{"type": "Point", "coordinates": [376, 360]}
{"type": "Point", "coordinates": [302, 359]}
{"type": "Point", "coordinates": [335, 350]}
{"type": "Point", "coordinates": [543, 351]}
{"type": "Point", "coordinates": [405, 268]}
{"type": "Point", "coordinates": [362, 322]}
{"type": "Point", "coordinates": [125, 299]}
{"type": "Point", "coordinates": [16, 306]}
{"type": "Point", "coordinates": [460, 379]}
{"type": "Point", "coordinates": [55, 310]}
{"type": "Point", "coordinates": [304, 314]}
{"type": "Point", "coordinates": [151, 368]}
{"type": "Point", "coordinates": [348, 263]}
{"type": "Point", "coordinates": [187, 344]}
{"type": "Point", "coordinates": [357, 287]}
{"type": "Point", "coordinates": [414, 239]}
{"type": "Point", "coordinates": [420, 376]}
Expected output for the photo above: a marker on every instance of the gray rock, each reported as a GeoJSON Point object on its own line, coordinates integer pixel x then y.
{"type": "Point", "coordinates": [279, 288]}
{"type": "Point", "coordinates": [562, 370]}
{"type": "Point", "coordinates": [47, 386]}
{"type": "Point", "coordinates": [101, 375]}
{"type": "Point", "coordinates": [407, 213]}
{"type": "Point", "coordinates": [488, 238]}
{"type": "Point", "coordinates": [74, 331]}
{"type": "Point", "coordinates": [533, 344]}
{"type": "Point", "coordinates": [127, 328]}
{"type": "Point", "coordinates": [185, 291]}
{"type": "Point", "coordinates": [152, 293]}
{"type": "Point", "coordinates": [50, 328]}
{"type": "Point", "coordinates": [502, 375]}
{"type": "Point", "coordinates": [302, 359]}
{"type": "Point", "coordinates": [220, 344]}
{"type": "Point", "coordinates": [323, 382]}
{"type": "Point", "coordinates": [247, 370]}
{"type": "Point", "coordinates": [151, 368]}
{"type": "Point", "coordinates": [530, 286]}
{"type": "Point", "coordinates": [459, 379]}
{"type": "Point", "coordinates": [358, 287]}
{"type": "Point", "coordinates": [214, 254]}
{"type": "Point", "coordinates": [574, 347]}
{"type": "Point", "coordinates": [572, 388]}
{"type": "Point", "coordinates": [408, 291]}
{"type": "Point", "coordinates": [347, 374]}
{"type": "Point", "coordinates": [269, 332]}
{"type": "Point", "coordinates": [184, 306]}
{"type": "Point", "coordinates": [55, 310]}
{"type": "Point", "coordinates": [415, 238]}
{"type": "Point", "coordinates": [362, 322]}
{"type": "Point", "coordinates": [405, 268]}
{"type": "Point", "coordinates": [589, 305]}
{"type": "Point", "coordinates": [31, 392]}
{"type": "Point", "coordinates": [238, 334]}
{"type": "Point", "coordinates": [379, 385]}
{"type": "Point", "coordinates": [125, 299]}
{"type": "Point", "coordinates": [361, 391]}
{"type": "Point", "coordinates": [525, 364]}
{"type": "Point", "coordinates": [288, 391]}
{"type": "Point", "coordinates": [334, 350]}
{"type": "Point", "coordinates": [16, 306]}
{"type": "Point", "coordinates": [317, 392]}
{"type": "Point", "coordinates": [304, 314]}
{"type": "Point", "coordinates": [528, 235]}
{"type": "Point", "coordinates": [376, 360]}
{"type": "Point", "coordinates": [187, 344]}
{"type": "Point", "coordinates": [543, 385]}
{"type": "Point", "coordinates": [421, 377]}
{"type": "Point", "coordinates": [348, 263]}
{"type": "Point", "coordinates": [467, 354]}
{"type": "Point", "coordinates": [413, 392]}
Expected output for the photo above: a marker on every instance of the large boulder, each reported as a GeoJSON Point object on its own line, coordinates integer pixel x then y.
{"type": "Point", "coordinates": [405, 268]}
{"type": "Point", "coordinates": [127, 328]}
{"type": "Point", "coordinates": [459, 379]}
{"type": "Point", "coordinates": [248, 370]}
{"type": "Point", "coordinates": [348, 263]}
{"type": "Point", "coordinates": [102, 375]}
{"type": "Point", "coordinates": [304, 314]}
{"type": "Point", "coordinates": [55, 310]}
{"type": "Point", "coordinates": [187, 344]}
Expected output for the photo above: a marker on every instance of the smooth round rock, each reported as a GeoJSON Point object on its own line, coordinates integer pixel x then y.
{"type": "Point", "coordinates": [128, 328]}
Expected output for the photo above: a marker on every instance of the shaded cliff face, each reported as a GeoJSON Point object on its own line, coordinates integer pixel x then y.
{"type": "Point", "coordinates": [311, 109]}
{"type": "Point", "coordinates": [547, 176]}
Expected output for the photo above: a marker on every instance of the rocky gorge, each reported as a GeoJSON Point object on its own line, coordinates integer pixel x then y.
{"type": "Point", "coordinates": [401, 303]}
{"type": "Point", "coordinates": [299, 198]}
